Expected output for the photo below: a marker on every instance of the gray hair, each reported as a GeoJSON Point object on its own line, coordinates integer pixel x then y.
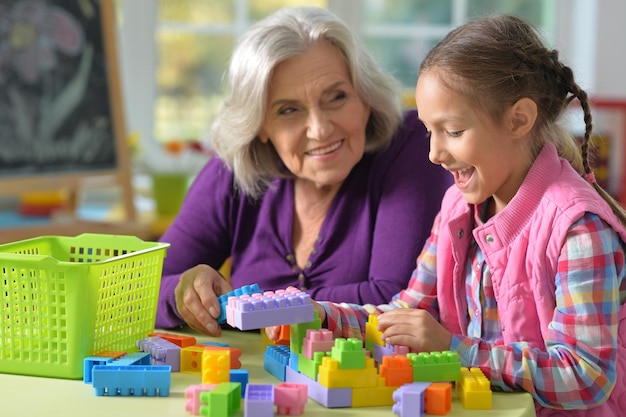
{"type": "Point", "coordinates": [288, 33]}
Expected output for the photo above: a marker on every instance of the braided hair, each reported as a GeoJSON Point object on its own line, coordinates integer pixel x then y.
{"type": "Point", "coordinates": [500, 59]}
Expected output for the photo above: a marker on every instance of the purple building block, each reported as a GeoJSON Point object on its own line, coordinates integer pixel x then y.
{"type": "Point", "coordinates": [409, 399]}
{"type": "Point", "coordinates": [328, 397]}
{"type": "Point", "coordinates": [256, 311]}
{"type": "Point", "coordinates": [259, 401]}
{"type": "Point", "coordinates": [223, 299]}
{"type": "Point", "coordinates": [162, 352]}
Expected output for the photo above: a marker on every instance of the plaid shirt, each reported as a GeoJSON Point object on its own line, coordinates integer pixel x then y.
{"type": "Point", "coordinates": [583, 287]}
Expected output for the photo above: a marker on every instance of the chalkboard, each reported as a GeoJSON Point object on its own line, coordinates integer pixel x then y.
{"type": "Point", "coordinates": [60, 107]}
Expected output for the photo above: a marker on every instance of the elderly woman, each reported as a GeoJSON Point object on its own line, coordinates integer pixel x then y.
{"type": "Point", "coordinates": [319, 180]}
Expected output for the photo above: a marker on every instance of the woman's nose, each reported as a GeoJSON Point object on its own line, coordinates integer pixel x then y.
{"type": "Point", "coordinates": [319, 125]}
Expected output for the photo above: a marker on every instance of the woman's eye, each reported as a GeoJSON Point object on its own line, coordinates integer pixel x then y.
{"type": "Point", "coordinates": [340, 95]}
{"type": "Point", "coordinates": [286, 111]}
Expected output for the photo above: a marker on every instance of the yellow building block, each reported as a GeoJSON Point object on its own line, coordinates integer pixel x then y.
{"type": "Point", "coordinates": [371, 330]}
{"type": "Point", "coordinates": [191, 359]}
{"type": "Point", "coordinates": [215, 366]}
{"type": "Point", "coordinates": [331, 376]}
{"type": "Point", "coordinates": [474, 389]}
{"type": "Point", "coordinates": [381, 395]}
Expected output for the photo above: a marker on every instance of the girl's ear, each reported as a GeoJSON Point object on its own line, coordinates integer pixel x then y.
{"type": "Point", "coordinates": [522, 117]}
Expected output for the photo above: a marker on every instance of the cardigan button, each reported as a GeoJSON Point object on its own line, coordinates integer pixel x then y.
{"type": "Point", "coordinates": [460, 233]}
{"type": "Point", "coordinates": [490, 239]}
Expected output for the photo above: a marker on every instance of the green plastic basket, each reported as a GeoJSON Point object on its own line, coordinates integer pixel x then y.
{"type": "Point", "coordinates": [66, 298]}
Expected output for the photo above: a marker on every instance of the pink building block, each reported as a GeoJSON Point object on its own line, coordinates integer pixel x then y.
{"type": "Point", "coordinates": [317, 341]}
{"type": "Point", "coordinates": [256, 311]}
{"type": "Point", "coordinates": [192, 394]}
{"type": "Point", "coordinates": [290, 398]}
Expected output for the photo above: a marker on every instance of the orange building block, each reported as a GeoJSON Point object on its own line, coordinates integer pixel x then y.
{"type": "Point", "coordinates": [438, 398]}
{"type": "Point", "coordinates": [177, 339]}
{"type": "Point", "coordinates": [396, 370]}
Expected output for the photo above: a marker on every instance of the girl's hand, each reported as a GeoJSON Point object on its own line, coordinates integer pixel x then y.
{"type": "Point", "coordinates": [414, 328]}
{"type": "Point", "coordinates": [196, 298]}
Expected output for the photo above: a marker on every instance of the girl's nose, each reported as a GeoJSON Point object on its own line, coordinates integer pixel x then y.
{"type": "Point", "coordinates": [437, 153]}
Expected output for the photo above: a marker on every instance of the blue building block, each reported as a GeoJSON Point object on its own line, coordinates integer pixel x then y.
{"type": "Point", "coordinates": [89, 363]}
{"type": "Point", "coordinates": [134, 358]}
{"type": "Point", "coordinates": [275, 360]}
{"type": "Point", "coordinates": [132, 380]}
{"type": "Point", "coordinates": [241, 376]}
{"type": "Point", "coordinates": [223, 299]}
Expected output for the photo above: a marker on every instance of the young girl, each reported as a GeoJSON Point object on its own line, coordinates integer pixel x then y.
{"type": "Point", "coordinates": [523, 274]}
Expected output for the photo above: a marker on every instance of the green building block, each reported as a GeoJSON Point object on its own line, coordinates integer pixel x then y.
{"type": "Point", "coordinates": [297, 332]}
{"type": "Point", "coordinates": [349, 353]}
{"type": "Point", "coordinates": [435, 366]}
{"type": "Point", "coordinates": [223, 401]}
{"type": "Point", "coordinates": [309, 367]}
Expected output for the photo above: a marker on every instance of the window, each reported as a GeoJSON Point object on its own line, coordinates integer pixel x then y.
{"type": "Point", "coordinates": [195, 38]}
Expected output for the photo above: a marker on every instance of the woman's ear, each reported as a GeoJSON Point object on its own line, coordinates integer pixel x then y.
{"type": "Point", "coordinates": [263, 137]}
{"type": "Point", "coordinates": [522, 117]}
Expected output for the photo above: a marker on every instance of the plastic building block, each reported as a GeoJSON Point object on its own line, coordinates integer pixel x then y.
{"type": "Point", "coordinates": [331, 376]}
{"type": "Point", "coordinates": [317, 341]}
{"type": "Point", "coordinates": [223, 299]}
{"type": "Point", "coordinates": [438, 398]}
{"type": "Point", "coordinates": [215, 366]}
{"type": "Point", "coordinates": [275, 360]}
{"type": "Point", "coordinates": [241, 376]}
{"type": "Point", "coordinates": [474, 389]}
{"type": "Point", "coordinates": [328, 397]}
{"type": "Point", "coordinates": [371, 330]}
{"type": "Point", "coordinates": [132, 380]}
{"type": "Point", "coordinates": [409, 399]}
{"type": "Point", "coordinates": [380, 352]}
{"type": "Point", "coordinates": [179, 340]}
{"type": "Point", "coordinates": [378, 396]}
{"type": "Point", "coordinates": [435, 366]}
{"type": "Point", "coordinates": [89, 363]}
{"type": "Point", "coordinates": [297, 332]}
{"type": "Point", "coordinates": [192, 394]}
{"type": "Point", "coordinates": [259, 401]}
{"type": "Point", "coordinates": [222, 401]}
{"type": "Point", "coordinates": [310, 367]}
{"type": "Point", "coordinates": [396, 370]}
{"type": "Point", "coordinates": [235, 354]}
{"type": "Point", "coordinates": [162, 352]}
{"type": "Point", "coordinates": [191, 359]}
{"type": "Point", "coordinates": [290, 398]}
{"type": "Point", "coordinates": [114, 354]}
{"type": "Point", "coordinates": [134, 358]}
{"type": "Point", "coordinates": [349, 353]}
{"type": "Point", "coordinates": [255, 311]}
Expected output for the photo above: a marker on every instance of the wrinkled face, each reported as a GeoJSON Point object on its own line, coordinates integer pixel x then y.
{"type": "Point", "coordinates": [484, 160]}
{"type": "Point", "coordinates": [314, 117]}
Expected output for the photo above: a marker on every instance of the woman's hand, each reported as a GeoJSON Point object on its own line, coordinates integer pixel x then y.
{"type": "Point", "coordinates": [196, 298]}
{"type": "Point", "coordinates": [273, 333]}
{"type": "Point", "coordinates": [414, 328]}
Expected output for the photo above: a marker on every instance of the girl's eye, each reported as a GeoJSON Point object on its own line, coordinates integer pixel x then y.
{"type": "Point", "coordinates": [455, 134]}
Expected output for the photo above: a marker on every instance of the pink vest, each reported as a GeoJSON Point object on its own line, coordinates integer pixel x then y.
{"type": "Point", "coordinates": [521, 246]}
